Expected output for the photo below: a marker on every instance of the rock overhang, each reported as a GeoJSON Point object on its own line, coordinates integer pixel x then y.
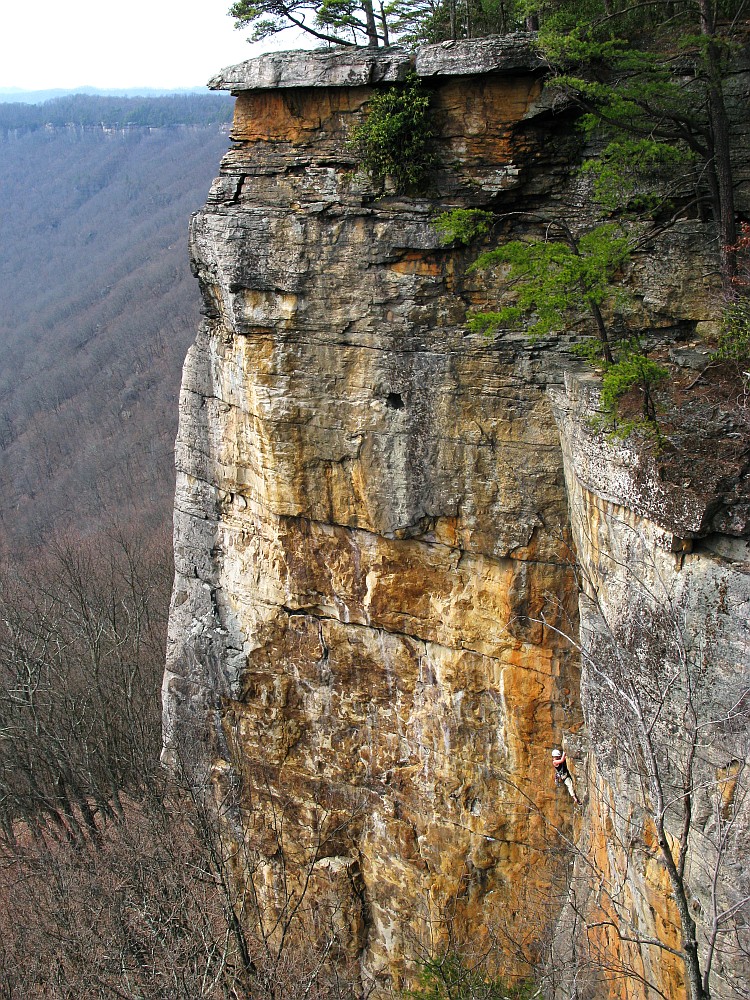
{"type": "Point", "coordinates": [355, 66]}
{"type": "Point", "coordinates": [625, 473]}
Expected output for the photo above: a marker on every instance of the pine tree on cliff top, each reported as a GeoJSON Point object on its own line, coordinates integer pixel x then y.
{"type": "Point", "coordinates": [338, 22]}
{"type": "Point", "coordinates": [651, 80]}
{"type": "Point", "coordinates": [362, 22]}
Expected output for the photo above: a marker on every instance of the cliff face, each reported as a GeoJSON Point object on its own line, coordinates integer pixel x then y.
{"type": "Point", "coordinates": [370, 639]}
{"type": "Point", "coordinates": [665, 637]}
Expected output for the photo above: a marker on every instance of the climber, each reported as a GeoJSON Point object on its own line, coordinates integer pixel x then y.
{"type": "Point", "coordinates": [563, 775]}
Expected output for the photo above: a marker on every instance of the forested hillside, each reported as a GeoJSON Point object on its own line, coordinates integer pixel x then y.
{"type": "Point", "coordinates": [97, 308]}
{"type": "Point", "coordinates": [117, 111]}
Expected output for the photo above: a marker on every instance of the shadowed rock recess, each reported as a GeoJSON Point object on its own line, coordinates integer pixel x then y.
{"type": "Point", "coordinates": [375, 622]}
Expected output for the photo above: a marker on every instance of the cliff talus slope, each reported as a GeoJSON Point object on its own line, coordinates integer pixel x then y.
{"type": "Point", "coordinates": [375, 592]}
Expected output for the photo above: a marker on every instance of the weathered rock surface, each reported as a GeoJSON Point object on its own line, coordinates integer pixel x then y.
{"type": "Point", "coordinates": [665, 637]}
{"type": "Point", "coordinates": [338, 67]}
{"type": "Point", "coordinates": [511, 54]}
{"type": "Point", "coordinates": [375, 588]}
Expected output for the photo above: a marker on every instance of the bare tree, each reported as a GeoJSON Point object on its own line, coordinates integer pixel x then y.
{"type": "Point", "coordinates": [81, 648]}
{"type": "Point", "coordinates": [116, 879]}
{"type": "Point", "coordinates": [666, 695]}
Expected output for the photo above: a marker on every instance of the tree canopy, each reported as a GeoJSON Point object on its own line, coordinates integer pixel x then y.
{"type": "Point", "coordinates": [354, 22]}
{"type": "Point", "coordinates": [338, 22]}
{"type": "Point", "coordinates": [649, 79]}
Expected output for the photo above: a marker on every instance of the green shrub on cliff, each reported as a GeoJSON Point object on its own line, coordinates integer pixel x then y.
{"type": "Point", "coordinates": [463, 225]}
{"type": "Point", "coordinates": [451, 977]}
{"type": "Point", "coordinates": [553, 281]}
{"type": "Point", "coordinates": [632, 371]}
{"type": "Point", "coordinates": [395, 139]}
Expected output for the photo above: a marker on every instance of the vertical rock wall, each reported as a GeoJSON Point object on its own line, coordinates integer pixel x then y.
{"type": "Point", "coordinates": [371, 520]}
{"type": "Point", "coordinates": [665, 636]}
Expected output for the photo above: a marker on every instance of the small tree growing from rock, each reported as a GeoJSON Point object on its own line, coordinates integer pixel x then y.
{"type": "Point", "coordinates": [394, 140]}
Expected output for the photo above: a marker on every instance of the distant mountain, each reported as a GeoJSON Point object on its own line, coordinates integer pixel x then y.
{"type": "Point", "coordinates": [97, 309]}
{"type": "Point", "coordinates": [17, 94]}
{"type": "Point", "coordinates": [118, 112]}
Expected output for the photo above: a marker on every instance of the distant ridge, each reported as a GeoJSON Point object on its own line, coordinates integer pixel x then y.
{"type": "Point", "coordinates": [21, 96]}
{"type": "Point", "coordinates": [111, 111]}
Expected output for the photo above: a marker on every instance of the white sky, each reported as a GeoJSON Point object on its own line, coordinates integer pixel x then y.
{"type": "Point", "coordinates": [138, 43]}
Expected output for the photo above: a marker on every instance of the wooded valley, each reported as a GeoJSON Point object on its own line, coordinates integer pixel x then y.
{"type": "Point", "coordinates": [116, 879]}
{"type": "Point", "coordinates": [97, 308]}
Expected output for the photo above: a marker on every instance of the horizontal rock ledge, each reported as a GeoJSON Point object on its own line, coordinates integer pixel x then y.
{"type": "Point", "coordinates": [355, 66]}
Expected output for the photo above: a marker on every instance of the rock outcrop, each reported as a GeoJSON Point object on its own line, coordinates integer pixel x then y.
{"type": "Point", "coordinates": [373, 637]}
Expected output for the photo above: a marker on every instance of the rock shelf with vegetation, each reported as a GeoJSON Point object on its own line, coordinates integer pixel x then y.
{"type": "Point", "coordinates": [412, 558]}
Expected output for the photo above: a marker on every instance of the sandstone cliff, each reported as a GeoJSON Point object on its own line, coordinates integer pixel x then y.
{"type": "Point", "coordinates": [379, 538]}
{"type": "Point", "coordinates": [665, 641]}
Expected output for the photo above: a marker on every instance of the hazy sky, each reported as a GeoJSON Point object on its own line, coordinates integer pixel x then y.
{"type": "Point", "coordinates": [143, 43]}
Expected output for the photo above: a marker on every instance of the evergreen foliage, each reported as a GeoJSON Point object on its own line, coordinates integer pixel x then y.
{"type": "Point", "coordinates": [352, 22]}
{"type": "Point", "coordinates": [556, 282]}
{"type": "Point", "coordinates": [428, 21]}
{"type": "Point", "coordinates": [451, 977]}
{"type": "Point", "coordinates": [463, 225]}
{"type": "Point", "coordinates": [632, 370]}
{"type": "Point", "coordinates": [650, 82]}
{"type": "Point", "coordinates": [338, 22]}
{"type": "Point", "coordinates": [560, 283]}
{"type": "Point", "coordinates": [394, 141]}
{"type": "Point", "coordinates": [89, 110]}
{"type": "Point", "coordinates": [638, 177]}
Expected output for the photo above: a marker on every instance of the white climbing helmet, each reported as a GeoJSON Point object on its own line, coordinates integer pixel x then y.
{"type": "Point", "coordinates": [557, 754]}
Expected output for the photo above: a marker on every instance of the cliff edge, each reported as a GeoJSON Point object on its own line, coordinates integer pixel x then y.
{"type": "Point", "coordinates": [380, 541]}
